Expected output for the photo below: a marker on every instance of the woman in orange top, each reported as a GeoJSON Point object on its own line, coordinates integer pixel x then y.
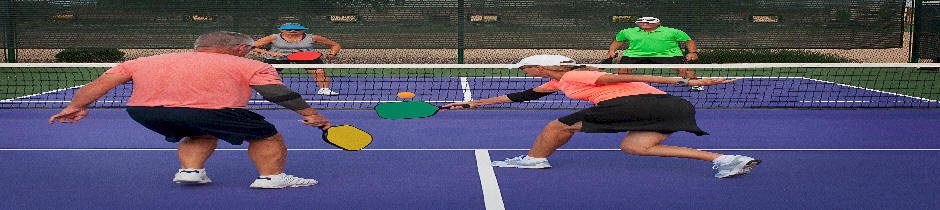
{"type": "Point", "coordinates": [623, 103]}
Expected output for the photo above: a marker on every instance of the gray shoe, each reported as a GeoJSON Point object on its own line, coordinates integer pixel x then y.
{"type": "Point", "coordinates": [519, 162]}
{"type": "Point", "coordinates": [738, 165]}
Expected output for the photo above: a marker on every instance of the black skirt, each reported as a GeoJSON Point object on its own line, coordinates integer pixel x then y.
{"type": "Point", "coordinates": [661, 113]}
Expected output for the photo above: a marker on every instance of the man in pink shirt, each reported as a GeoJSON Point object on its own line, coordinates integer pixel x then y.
{"type": "Point", "coordinates": [624, 103]}
{"type": "Point", "coordinates": [197, 98]}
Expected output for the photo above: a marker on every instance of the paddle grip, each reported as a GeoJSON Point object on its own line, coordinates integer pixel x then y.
{"type": "Point", "coordinates": [461, 105]}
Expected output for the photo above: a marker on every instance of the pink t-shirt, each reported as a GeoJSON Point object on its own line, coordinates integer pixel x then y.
{"type": "Point", "coordinates": [580, 85]}
{"type": "Point", "coordinates": [195, 79]}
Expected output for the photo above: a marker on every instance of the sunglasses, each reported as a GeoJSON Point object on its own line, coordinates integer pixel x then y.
{"type": "Point", "coordinates": [527, 66]}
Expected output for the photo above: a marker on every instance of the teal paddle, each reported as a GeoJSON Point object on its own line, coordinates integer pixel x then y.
{"type": "Point", "coordinates": [408, 109]}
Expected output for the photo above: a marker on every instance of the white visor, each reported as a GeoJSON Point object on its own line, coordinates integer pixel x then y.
{"type": "Point", "coordinates": [647, 20]}
{"type": "Point", "coordinates": [543, 60]}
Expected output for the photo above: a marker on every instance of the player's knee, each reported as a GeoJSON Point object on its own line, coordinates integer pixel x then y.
{"type": "Point", "coordinates": [634, 149]}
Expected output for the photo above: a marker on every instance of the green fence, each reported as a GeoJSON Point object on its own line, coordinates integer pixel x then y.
{"type": "Point", "coordinates": [453, 24]}
{"type": "Point", "coordinates": [927, 30]}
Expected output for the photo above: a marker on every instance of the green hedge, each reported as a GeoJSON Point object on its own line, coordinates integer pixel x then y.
{"type": "Point", "coordinates": [768, 56]}
{"type": "Point", "coordinates": [90, 55]}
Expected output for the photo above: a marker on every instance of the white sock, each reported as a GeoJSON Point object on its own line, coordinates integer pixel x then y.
{"type": "Point", "coordinates": [324, 88]}
{"type": "Point", "coordinates": [723, 159]}
{"type": "Point", "coordinates": [527, 158]}
{"type": "Point", "coordinates": [200, 170]}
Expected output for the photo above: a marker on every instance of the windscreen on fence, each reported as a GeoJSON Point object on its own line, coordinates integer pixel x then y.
{"type": "Point", "coordinates": [455, 24]}
{"type": "Point", "coordinates": [928, 30]}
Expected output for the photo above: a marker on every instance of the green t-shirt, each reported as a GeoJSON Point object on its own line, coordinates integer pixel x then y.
{"type": "Point", "coordinates": [663, 42]}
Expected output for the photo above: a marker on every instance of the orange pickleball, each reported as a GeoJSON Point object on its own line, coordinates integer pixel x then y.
{"type": "Point", "coordinates": [406, 95]}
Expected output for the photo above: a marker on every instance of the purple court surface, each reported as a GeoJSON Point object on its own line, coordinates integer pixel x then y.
{"type": "Point", "coordinates": [813, 159]}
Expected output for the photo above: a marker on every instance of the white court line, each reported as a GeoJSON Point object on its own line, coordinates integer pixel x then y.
{"type": "Point", "coordinates": [868, 89]}
{"type": "Point", "coordinates": [492, 198]}
{"type": "Point", "coordinates": [465, 86]}
{"type": "Point", "coordinates": [171, 149]}
{"type": "Point", "coordinates": [43, 93]}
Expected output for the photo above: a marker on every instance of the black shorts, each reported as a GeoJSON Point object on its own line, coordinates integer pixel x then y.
{"type": "Point", "coordinates": [232, 125]}
{"type": "Point", "coordinates": [661, 113]}
{"type": "Point", "coordinates": [653, 60]}
{"type": "Point", "coordinates": [273, 61]}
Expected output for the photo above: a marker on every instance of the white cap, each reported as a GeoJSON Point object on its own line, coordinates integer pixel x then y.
{"type": "Point", "coordinates": [647, 20]}
{"type": "Point", "coordinates": [543, 60]}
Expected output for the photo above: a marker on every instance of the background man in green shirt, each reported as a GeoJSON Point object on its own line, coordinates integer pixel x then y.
{"type": "Point", "coordinates": [651, 43]}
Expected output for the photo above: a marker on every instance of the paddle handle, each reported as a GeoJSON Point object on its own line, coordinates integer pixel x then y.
{"type": "Point", "coordinates": [461, 105]}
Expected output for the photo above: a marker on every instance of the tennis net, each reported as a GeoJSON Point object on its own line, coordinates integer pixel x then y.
{"type": "Point", "coordinates": [362, 86]}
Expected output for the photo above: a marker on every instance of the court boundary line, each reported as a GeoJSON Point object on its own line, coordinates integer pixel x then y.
{"type": "Point", "coordinates": [173, 149]}
{"type": "Point", "coordinates": [492, 197]}
{"type": "Point", "coordinates": [868, 89]}
{"type": "Point", "coordinates": [465, 87]}
{"type": "Point", "coordinates": [13, 100]}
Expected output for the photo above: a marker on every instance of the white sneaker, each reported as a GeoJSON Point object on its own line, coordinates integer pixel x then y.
{"type": "Point", "coordinates": [521, 162]}
{"type": "Point", "coordinates": [281, 181]}
{"type": "Point", "coordinates": [191, 176]}
{"type": "Point", "coordinates": [738, 165]}
{"type": "Point", "coordinates": [327, 92]}
{"type": "Point", "coordinates": [696, 88]}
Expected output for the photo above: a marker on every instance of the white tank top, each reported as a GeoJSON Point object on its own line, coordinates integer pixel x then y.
{"type": "Point", "coordinates": [284, 47]}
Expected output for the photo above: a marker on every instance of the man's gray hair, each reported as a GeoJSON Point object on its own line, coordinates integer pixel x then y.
{"type": "Point", "coordinates": [223, 40]}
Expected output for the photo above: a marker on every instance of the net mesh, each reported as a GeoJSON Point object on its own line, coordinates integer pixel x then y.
{"type": "Point", "coordinates": [362, 86]}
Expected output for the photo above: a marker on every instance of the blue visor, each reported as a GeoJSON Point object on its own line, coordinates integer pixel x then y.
{"type": "Point", "coordinates": [293, 27]}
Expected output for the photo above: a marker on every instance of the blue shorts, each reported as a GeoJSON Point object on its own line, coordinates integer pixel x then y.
{"type": "Point", "coordinates": [232, 125]}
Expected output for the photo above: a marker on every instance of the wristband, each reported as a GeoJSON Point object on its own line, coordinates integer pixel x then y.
{"type": "Point", "coordinates": [683, 82]}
